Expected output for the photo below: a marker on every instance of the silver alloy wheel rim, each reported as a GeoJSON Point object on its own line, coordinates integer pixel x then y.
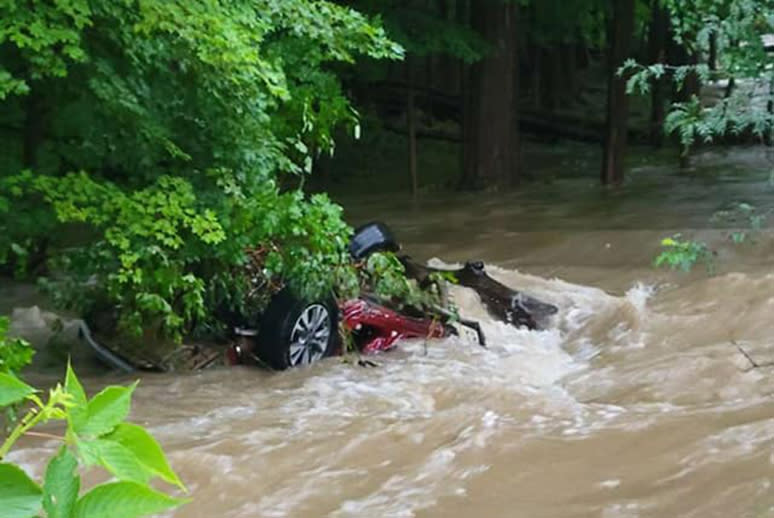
{"type": "Point", "coordinates": [309, 338]}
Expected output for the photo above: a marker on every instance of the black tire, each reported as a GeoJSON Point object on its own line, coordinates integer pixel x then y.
{"type": "Point", "coordinates": [370, 238]}
{"type": "Point", "coordinates": [291, 326]}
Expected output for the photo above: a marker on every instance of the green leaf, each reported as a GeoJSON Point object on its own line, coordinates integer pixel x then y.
{"type": "Point", "coordinates": [78, 414]}
{"type": "Point", "coordinates": [115, 458]}
{"type": "Point", "coordinates": [20, 497]}
{"type": "Point", "coordinates": [123, 500]}
{"type": "Point", "coordinates": [147, 449]}
{"type": "Point", "coordinates": [13, 390]}
{"type": "Point", "coordinates": [61, 486]}
{"type": "Point", "coordinates": [106, 410]}
{"type": "Point", "coordinates": [15, 353]}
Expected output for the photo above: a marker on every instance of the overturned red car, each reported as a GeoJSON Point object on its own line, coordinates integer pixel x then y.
{"type": "Point", "coordinates": [294, 333]}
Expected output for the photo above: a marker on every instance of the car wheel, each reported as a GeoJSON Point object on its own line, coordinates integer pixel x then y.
{"type": "Point", "coordinates": [294, 332]}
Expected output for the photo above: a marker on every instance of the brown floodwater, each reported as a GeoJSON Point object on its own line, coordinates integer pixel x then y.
{"type": "Point", "coordinates": [636, 402]}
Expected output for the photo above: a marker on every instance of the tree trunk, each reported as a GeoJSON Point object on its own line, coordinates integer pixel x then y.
{"type": "Point", "coordinates": [769, 135]}
{"type": "Point", "coordinates": [617, 99]}
{"type": "Point", "coordinates": [730, 86]}
{"type": "Point", "coordinates": [450, 71]}
{"type": "Point", "coordinates": [468, 158]}
{"type": "Point", "coordinates": [467, 107]}
{"type": "Point", "coordinates": [657, 46]}
{"type": "Point", "coordinates": [34, 127]}
{"type": "Point", "coordinates": [681, 56]}
{"type": "Point", "coordinates": [489, 139]}
{"type": "Point", "coordinates": [515, 167]}
{"type": "Point", "coordinates": [712, 58]}
{"type": "Point", "coordinates": [690, 87]}
{"type": "Point", "coordinates": [411, 121]}
{"type": "Point", "coordinates": [537, 73]}
{"type": "Point", "coordinates": [554, 78]}
{"type": "Point", "coordinates": [582, 57]}
{"type": "Point", "coordinates": [569, 64]}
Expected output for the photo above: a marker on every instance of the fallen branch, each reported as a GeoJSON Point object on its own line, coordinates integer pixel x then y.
{"type": "Point", "coordinates": [753, 364]}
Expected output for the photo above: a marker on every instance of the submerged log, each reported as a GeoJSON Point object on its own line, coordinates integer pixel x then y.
{"type": "Point", "coordinates": [503, 303]}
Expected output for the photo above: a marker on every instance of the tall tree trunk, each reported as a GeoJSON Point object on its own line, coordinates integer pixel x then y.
{"type": "Point", "coordinates": [569, 64]}
{"type": "Point", "coordinates": [770, 102]}
{"type": "Point", "coordinates": [680, 55]}
{"type": "Point", "coordinates": [34, 127]}
{"type": "Point", "coordinates": [467, 108]}
{"type": "Point", "coordinates": [554, 83]}
{"type": "Point", "coordinates": [537, 74]}
{"type": "Point", "coordinates": [411, 121]}
{"type": "Point", "coordinates": [712, 58]}
{"type": "Point", "coordinates": [490, 153]}
{"type": "Point", "coordinates": [617, 100]}
{"type": "Point", "coordinates": [582, 57]}
{"type": "Point", "coordinates": [515, 167]}
{"type": "Point", "coordinates": [658, 38]}
{"type": "Point", "coordinates": [468, 178]}
{"type": "Point", "coordinates": [450, 69]}
{"type": "Point", "coordinates": [730, 86]}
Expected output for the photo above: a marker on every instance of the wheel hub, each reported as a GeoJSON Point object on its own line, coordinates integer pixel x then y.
{"type": "Point", "coordinates": [310, 335]}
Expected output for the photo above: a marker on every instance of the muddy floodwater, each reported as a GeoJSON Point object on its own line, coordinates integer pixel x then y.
{"type": "Point", "coordinates": [637, 402]}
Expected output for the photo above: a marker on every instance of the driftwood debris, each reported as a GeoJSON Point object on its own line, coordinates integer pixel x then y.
{"type": "Point", "coordinates": [503, 303]}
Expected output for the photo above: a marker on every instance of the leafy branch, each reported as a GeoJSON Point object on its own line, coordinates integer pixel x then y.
{"type": "Point", "coordinates": [96, 435]}
{"type": "Point", "coordinates": [682, 254]}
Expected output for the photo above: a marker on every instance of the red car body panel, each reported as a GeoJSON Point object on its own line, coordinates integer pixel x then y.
{"type": "Point", "coordinates": [380, 328]}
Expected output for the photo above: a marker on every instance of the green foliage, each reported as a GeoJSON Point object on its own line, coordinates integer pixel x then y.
{"type": "Point", "coordinates": [151, 144]}
{"type": "Point", "coordinates": [61, 485]}
{"type": "Point", "coordinates": [47, 36]}
{"type": "Point", "coordinates": [429, 28]}
{"type": "Point", "coordinates": [737, 28]}
{"type": "Point", "coordinates": [743, 215]}
{"type": "Point", "coordinates": [15, 353]}
{"type": "Point", "coordinates": [137, 441]}
{"type": "Point", "coordinates": [640, 76]}
{"type": "Point", "coordinates": [551, 22]}
{"type": "Point", "coordinates": [688, 121]}
{"type": "Point", "coordinates": [19, 495]}
{"type": "Point", "coordinates": [12, 390]}
{"type": "Point", "coordinates": [684, 254]}
{"type": "Point", "coordinates": [96, 435]}
{"type": "Point", "coordinates": [385, 276]}
{"type": "Point", "coordinates": [123, 500]}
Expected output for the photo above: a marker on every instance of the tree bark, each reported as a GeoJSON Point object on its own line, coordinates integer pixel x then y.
{"type": "Point", "coordinates": [411, 121]}
{"type": "Point", "coordinates": [569, 64]}
{"type": "Point", "coordinates": [537, 74]}
{"type": "Point", "coordinates": [657, 47]}
{"type": "Point", "coordinates": [712, 58]}
{"type": "Point", "coordinates": [34, 127]}
{"type": "Point", "coordinates": [467, 158]}
{"type": "Point", "coordinates": [680, 56]}
{"type": "Point", "coordinates": [490, 140]}
{"type": "Point", "coordinates": [550, 87]}
{"type": "Point", "coordinates": [769, 135]}
{"type": "Point", "coordinates": [514, 175]}
{"type": "Point", "coordinates": [617, 99]}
